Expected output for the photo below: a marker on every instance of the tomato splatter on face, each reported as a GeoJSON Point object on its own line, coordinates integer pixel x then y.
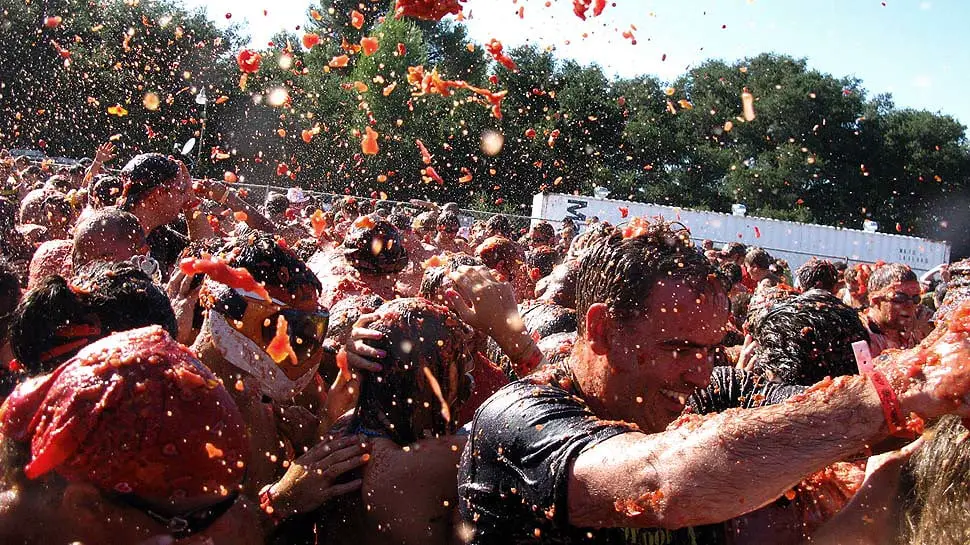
{"type": "Point", "coordinates": [279, 348]}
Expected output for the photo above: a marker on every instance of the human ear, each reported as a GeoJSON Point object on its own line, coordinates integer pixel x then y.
{"type": "Point", "coordinates": [598, 328]}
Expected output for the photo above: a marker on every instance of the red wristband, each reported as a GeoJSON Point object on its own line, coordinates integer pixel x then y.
{"type": "Point", "coordinates": [891, 411]}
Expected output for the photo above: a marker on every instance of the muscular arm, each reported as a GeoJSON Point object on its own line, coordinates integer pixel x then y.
{"type": "Point", "coordinates": [711, 469]}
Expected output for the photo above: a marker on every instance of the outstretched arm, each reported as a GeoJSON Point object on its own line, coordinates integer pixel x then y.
{"type": "Point", "coordinates": [710, 469]}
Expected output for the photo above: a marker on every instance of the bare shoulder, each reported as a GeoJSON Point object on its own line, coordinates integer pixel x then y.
{"type": "Point", "coordinates": [410, 493]}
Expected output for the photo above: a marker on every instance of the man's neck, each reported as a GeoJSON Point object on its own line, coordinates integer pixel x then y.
{"type": "Point", "coordinates": [585, 367]}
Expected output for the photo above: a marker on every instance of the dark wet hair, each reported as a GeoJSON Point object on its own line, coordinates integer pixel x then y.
{"type": "Point", "coordinates": [543, 233]}
{"type": "Point", "coordinates": [420, 338]}
{"type": "Point", "coordinates": [807, 338]}
{"type": "Point", "coordinates": [621, 272]}
{"type": "Point", "coordinates": [124, 297]}
{"type": "Point", "coordinates": [9, 296]}
{"type": "Point", "coordinates": [401, 221]}
{"type": "Point", "coordinates": [543, 319]}
{"type": "Point", "coordinates": [543, 258]}
{"type": "Point", "coordinates": [34, 324]}
{"type": "Point", "coordinates": [449, 222]}
{"type": "Point", "coordinates": [732, 271]}
{"type": "Point", "coordinates": [142, 174]}
{"type": "Point", "coordinates": [105, 191]}
{"type": "Point", "coordinates": [276, 204]}
{"type": "Point", "coordinates": [817, 274]}
{"type": "Point", "coordinates": [498, 225]}
{"type": "Point", "coordinates": [433, 277]}
{"type": "Point", "coordinates": [888, 274]}
{"type": "Point", "coordinates": [373, 245]}
{"type": "Point", "coordinates": [425, 222]}
{"type": "Point", "coordinates": [560, 285]}
{"type": "Point", "coordinates": [733, 250]}
{"type": "Point", "coordinates": [762, 301]}
{"type": "Point", "coordinates": [590, 236]}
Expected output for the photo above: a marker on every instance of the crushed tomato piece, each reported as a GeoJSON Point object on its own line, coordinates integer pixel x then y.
{"type": "Point", "coordinates": [369, 143]}
{"type": "Point", "coordinates": [369, 45]}
{"type": "Point", "coordinates": [429, 10]}
{"type": "Point", "coordinates": [220, 271]}
{"type": "Point", "coordinates": [279, 348]}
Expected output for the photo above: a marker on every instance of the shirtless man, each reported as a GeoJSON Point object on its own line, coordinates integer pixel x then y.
{"type": "Point", "coordinates": [282, 403]}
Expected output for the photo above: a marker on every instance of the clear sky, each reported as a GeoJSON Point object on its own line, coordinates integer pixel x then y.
{"type": "Point", "coordinates": [918, 50]}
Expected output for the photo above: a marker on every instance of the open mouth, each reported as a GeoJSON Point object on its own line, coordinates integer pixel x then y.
{"type": "Point", "coordinates": [677, 397]}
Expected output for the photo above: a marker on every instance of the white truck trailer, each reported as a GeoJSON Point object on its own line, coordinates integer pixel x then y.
{"type": "Point", "coordinates": [792, 241]}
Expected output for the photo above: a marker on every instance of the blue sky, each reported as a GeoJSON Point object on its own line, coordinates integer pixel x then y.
{"type": "Point", "coordinates": [915, 49]}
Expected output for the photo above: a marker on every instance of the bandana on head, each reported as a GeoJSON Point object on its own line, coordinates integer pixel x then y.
{"type": "Point", "coordinates": [135, 413]}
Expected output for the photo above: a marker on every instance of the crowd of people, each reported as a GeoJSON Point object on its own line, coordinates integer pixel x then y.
{"type": "Point", "coordinates": [182, 365]}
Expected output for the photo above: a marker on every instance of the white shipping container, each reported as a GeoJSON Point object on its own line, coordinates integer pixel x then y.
{"type": "Point", "coordinates": [792, 241]}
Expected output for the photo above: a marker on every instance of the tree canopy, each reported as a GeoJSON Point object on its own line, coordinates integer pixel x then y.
{"type": "Point", "coordinates": [812, 146]}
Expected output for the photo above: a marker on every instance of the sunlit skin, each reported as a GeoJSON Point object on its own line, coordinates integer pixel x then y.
{"type": "Point", "coordinates": [896, 320]}
{"type": "Point", "coordinates": [638, 370]}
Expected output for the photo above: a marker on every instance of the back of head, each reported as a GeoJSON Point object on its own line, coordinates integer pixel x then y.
{"type": "Point", "coordinates": [621, 270]}
{"type": "Point", "coordinates": [276, 205]}
{"type": "Point", "coordinates": [51, 257]}
{"type": "Point", "coordinates": [105, 233]}
{"type": "Point", "coordinates": [733, 251]}
{"type": "Point", "coordinates": [940, 471]}
{"type": "Point", "coordinates": [590, 236]}
{"type": "Point", "coordinates": [373, 245]}
{"type": "Point", "coordinates": [40, 327]}
{"type": "Point", "coordinates": [134, 414]}
{"type": "Point", "coordinates": [423, 382]}
{"type": "Point", "coordinates": [956, 291]}
{"type": "Point", "coordinates": [498, 225]}
{"type": "Point", "coordinates": [807, 338]}
{"type": "Point", "coordinates": [142, 174]}
{"type": "Point", "coordinates": [425, 223]}
{"type": "Point", "coordinates": [818, 274]}
{"type": "Point", "coordinates": [543, 233]}
{"type": "Point", "coordinates": [449, 222]}
{"type": "Point", "coordinates": [500, 253]}
{"type": "Point", "coordinates": [105, 191]}
{"type": "Point", "coordinates": [123, 297]}
{"type": "Point", "coordinates": [32, 206]}
{"type": "Point", "coordinates": [541, 261]}
{"type": "Point", "coordinates": [761, 302]}
{"type": "Point", "coordinates": [435, 280]}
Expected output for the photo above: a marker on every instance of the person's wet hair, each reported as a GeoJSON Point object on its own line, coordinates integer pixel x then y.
{"type": "Point", "coordinates": [123, 297]}
{"type": "Point", "coordinates": [421, 387]}
{"type": "Point", "coordinates": [935, 510]}
{"type": "Point", "coordinates": [276, 205]}
{"type": "Point", "coordinates": [560, 285]}
{"type": "Point", "coordinates": [498, 225]}
{"type": "Point", "coordinates": [544, 319]}
{"type": "Point", "coordinates": [401, 221]}
{"type": "Point", "coordinates": [807, 338]}
{"type": "Point", "coordinates": [425, 223]}
{"type": "Point", "coordinates": [433, 278]}
{"type": "Point", "coordinates": [499, 252]}
{"type": "Point", "coordinates": [374, 246]}
{"type": "Point", "coordinates": [449, 222]}
{"type": "Point", "coordinates": [343, 315]}
{"type": "Point", "coordinates": [105, 191]}
{"type": "Point", "coordinates": [761, 302]}
{"type": "Point", "coordinates": [590, 236]}
{"type": "Point", "coordinates": [733, 272]}
{"type": "Point", "coordinates": [621, 272]}
{"type": "Point", "coordinates": [40, 323]}
{"type": "Point", "coordinates": [542, 259]}
{"type": "Point", "coordinates": [758, 257]}
{"type": "Point", "coordinates": [888, 274]}
{"type": "Point", "coordinates": [142, 174]}
{"type": "Point", "coordinates": [543, 233]}
{"type": "Point", "coordinates": [817, 274]}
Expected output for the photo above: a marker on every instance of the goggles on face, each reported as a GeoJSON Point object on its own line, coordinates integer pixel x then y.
{"type": "Point", "coordinates": [306, 329]}
{"type": "Point", "coordinates": [900, 298]}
